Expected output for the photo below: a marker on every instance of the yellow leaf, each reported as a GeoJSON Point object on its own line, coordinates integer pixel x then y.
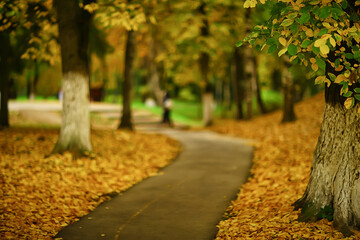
{"type": "Point", "coordinates": [282, 41]}
{"type": "Point", "coordinates": [312, 60]}
{"type": "Point", "coordinates": [314, 67]}
{"type": "Point", "coordinates": [320, 42]}
{"type": "Point", "coordinates": [282, 51]}
{"type": "Point", "coordinates": [320, 79]}
{"type": "Point", "coordinates": [309, 33]}
{"type": "Point", "coordinates": [332, 42]}
{"type": "Point", "coordinates": [324, 49]}
{"type": "Point", "coordinates": [340, 78]}
{"type": "Point", "coordinates": [349, 102]}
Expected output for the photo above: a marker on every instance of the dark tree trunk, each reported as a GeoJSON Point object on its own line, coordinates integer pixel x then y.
{"type": "Point", "coordinates": [250, 70]}
{"type": "Point", "coordinates": [74, 25]}
{"type": "Point", "coordinates": [238, 77]}
{"type": "Point", "coordinates": [126, 121]}
{"type": "Point", "coordinates": [288, 93]}
{"type": "Point", "coordinates": [257, 87]}
{"type": "Point", "coordinates": [207, 96]}
{"type": "Point", "coordinates": [5, 55]}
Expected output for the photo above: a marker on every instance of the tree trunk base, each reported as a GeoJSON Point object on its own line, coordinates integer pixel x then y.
{"type": "Point", "coordinates": [335, 175]}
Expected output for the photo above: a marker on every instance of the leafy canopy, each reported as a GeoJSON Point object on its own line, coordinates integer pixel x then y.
{"type": "Point", "coordinates": [316, 33]}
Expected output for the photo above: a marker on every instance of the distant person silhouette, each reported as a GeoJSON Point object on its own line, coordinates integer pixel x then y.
{"type": "Point", "coordinates": [167, 106]}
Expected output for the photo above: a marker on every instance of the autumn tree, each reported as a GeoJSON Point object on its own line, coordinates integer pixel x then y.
{"type": "Point", "coordinates": [22, 33]}
{"type": "Point", "coordinates": [325, 35]}
{"type": "Point", "coordinates": [74, 24]}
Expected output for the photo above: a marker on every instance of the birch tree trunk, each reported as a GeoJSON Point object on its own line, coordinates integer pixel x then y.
{"type": "Point", "coordinates": [74, 38]}
{"type": "Point", "coordinates": [154, 82]}
{"type": "Point", "coordinates": [126, 121]}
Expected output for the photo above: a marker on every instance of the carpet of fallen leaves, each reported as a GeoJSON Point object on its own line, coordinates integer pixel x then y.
{"type": "Point", "coordinates": [40, 195]}
{"type": "Point", "coordinates": [279, 176]}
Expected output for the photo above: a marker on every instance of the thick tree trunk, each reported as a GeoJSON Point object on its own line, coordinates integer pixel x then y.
{"type": "Point", "coordinates": [288, 93]}
{"type": "Point", "coordinates": [238, 77]}
{"type": "Point", "coordinates": [334, 179]}
{"type": "Point", "coordinates": [74, 38]}
{"type": "Point", "coordinates": [126, 121]}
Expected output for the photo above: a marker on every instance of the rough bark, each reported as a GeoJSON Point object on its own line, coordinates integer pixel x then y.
{"type": "Point", "coordinates": [334, 179]}
{"type": "Point", "coordinates": [238, 77]}
{"type": "Point", "coordinates": [74, 25]}
{"type": "Point", "coordinates": [288, 94]}
{"type": "Point", "coordinates": [126, 121]}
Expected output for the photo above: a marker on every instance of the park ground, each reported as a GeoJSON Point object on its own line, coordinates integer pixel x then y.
{"type": "Point", "coordinates": [41, 194]}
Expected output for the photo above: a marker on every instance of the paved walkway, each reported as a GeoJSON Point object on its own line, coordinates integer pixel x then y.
{"type": "Point", "coordinates": [186, 202]}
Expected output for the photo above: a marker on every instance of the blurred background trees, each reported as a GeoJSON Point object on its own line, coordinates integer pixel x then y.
{"type": "Point", "coordinates": [184, 47]}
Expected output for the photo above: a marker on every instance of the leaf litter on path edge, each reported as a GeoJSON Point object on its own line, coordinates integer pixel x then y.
{"type": "Point", "coordinates": [279, 176]}
{"type": "Point", "coordinates": [39, 196]}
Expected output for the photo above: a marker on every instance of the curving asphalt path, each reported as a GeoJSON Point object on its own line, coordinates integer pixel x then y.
{"type": "Point", "coordinates": [186, 202]}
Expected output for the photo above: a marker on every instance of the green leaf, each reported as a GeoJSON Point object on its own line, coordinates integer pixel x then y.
{"type": "Point", "coordinates": [357, 96]}
{"type": "Point", "coordinates": [324, 12]}
{"type": "Point", "coordinates": [304, 18]}
{"type": "Point", "coordinates": [323, 31]}
{"type": "Point", "coordinates": [292, 49]}
{"type": "Point", "coordinates": [239, 43]}
{"type": "Point", "coordinates": [287, 22]}
{"type": "Point", "coordinates": [272, 49]}
{"type": "Point", "coordinates": [337, 62]}
{"type": "Point", "coordinates": [348, 94]}
{"type": "Point", "coordinates": [306, 43]}
{"type": "Point", "coordinates": [315, 50]}
{"type": "Point", "coordinates": [332, 76]}
{"type": "Point", "coordinates": [349, 56]}
{"type": "Point", "coordinates": [357, 90]}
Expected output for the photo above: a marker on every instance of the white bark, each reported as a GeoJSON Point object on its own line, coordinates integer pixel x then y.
{"type": "Point", "coordinates": [208, 108]}
{"type": "Point", "coordinates": [75, 127]}
{"type": "Point", "coordinates": [334, 179]}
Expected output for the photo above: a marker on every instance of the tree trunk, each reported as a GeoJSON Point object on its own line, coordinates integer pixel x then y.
{"type": "Point", "coordinates": [288, 93]}
{"type": "Point", "coordinates": [334, 179]}
{"type": "Point", "coordinates": [74, 39]}
{"type": "Point", "coordinates": [126, 121]}
{"type": "Point", "coordinates": [154, 82]}
{"type": "Point", "coordinates": [249, 80]}
{"type": "Point", "coordinates": [207, 96]}
{"type": "Point", "coordinates": [4, 93]}
{"type": "Point", "coordinates": [5, 55]}
{"type": "Point", "coordinates": [257, 89]}
{"type": "Point", "coordinates": [250, 70]}
{"type": "Point", "coordinates": [238, 77]}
